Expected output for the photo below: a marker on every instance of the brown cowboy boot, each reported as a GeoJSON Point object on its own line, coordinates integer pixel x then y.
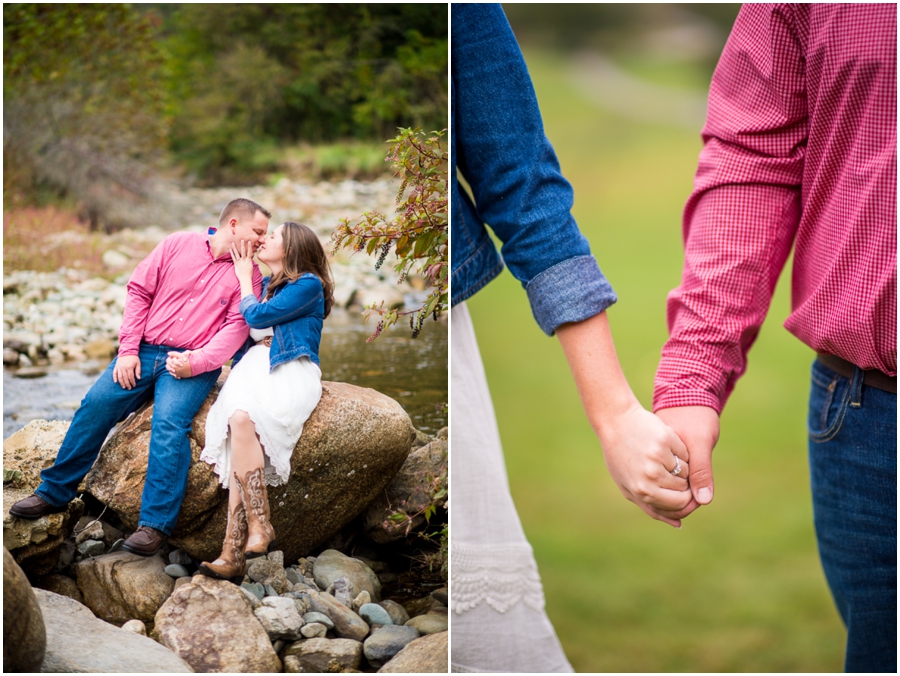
{"type": "Point", "coordinates": [261, 534]}
{"type": "Point", "coordinates": [231, 564]}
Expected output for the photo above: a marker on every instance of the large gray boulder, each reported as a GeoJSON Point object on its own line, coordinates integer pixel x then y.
{"type": "Point", "coordinates": [210, 624]}
{"type": "Point", "coordinates": [123, 586]}
{"type": "Point", "coordinates": [77, 642]}
{"type": "Point", "coordinates": [24, 636]}
{"type": "Point", "coordinates": [353, 444]}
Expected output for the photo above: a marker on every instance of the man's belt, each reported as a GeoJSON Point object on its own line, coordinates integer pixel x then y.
{"type": "Point", "coordinates": [871, 377]}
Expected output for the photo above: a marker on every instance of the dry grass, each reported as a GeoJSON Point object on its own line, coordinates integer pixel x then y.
{"type": "Point", "coordinates": [45, 239]}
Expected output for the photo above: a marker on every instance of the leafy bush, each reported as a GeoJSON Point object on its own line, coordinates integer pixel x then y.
{"type": "Point", "coordinates": [418, 234]}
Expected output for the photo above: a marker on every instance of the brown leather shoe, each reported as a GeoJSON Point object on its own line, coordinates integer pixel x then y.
{"type": "Point", "coordinates": [34, 507]}
{"type": "Point", "coordinates": [145, 541]}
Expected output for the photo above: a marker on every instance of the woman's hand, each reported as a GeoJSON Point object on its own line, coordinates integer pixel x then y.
{"type": "Point", "coordinates": [242, 257]}
{"type": "Point", "coordinates": [640, 452]}
{"type": "Point", "coordinates": [179, 364]}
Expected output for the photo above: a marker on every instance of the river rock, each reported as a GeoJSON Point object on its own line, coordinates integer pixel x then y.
{"type": "Point", "coordinates": [78, 642]}
{"type": "Point", "coordinates": [124, 586]}
{"type": "Point", "coordinates": [426, 655]}
{"type": "Point", "coordinates": [24, 636]}
{"type": "Point", "coordinates": [322, 655]}
{"type": "Point", "coordinates": [210, 624]}
{"type": "Point", "coordinates": [313, 617]}
{"type": "Point", "coordinates": [331, 565]}
{"type": "Point", "coordinates": [429, 623]}
{"type": "Point", "coordinates": [361, 599]}
{"type": "Point", "coordinates": [396, 611]}
{"type": "Point", "coordinates": [386, 642]}
{"type": "Point", "coordinates": [279, 617]}
{"type": "Point", "coordinates": [347, 624]}
{"type": "Point", "coordinates": [269, 573]}
{"type": "Point", "coordinates": [375, 614]}
{"type": "Point", "coordinates": [135, 626]}
{"type": "Point", "coordinates": [351, 447]}
{"type": "Point", "coordinates": [314, 630]}
{"type": "Point", "coordinates": [62, 585]}
{"type": "Point", "coordinates": [410, 493]}
{"type": "Point", "coordinates": [34, 542]}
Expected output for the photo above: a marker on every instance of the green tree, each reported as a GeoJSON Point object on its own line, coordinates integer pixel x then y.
{"type": "Point", "coordinates": [247, 77]}
{"type": "Point", "coordinates": [84, 105]}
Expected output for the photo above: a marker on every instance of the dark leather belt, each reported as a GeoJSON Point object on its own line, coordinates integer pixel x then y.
{"type": "Point", "coordinates": [872, 377]}
{"type": "Point", "coordinates": [267, 341]}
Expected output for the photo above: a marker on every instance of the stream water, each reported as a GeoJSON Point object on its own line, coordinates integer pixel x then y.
{"type": "Point", "coordinates": [411, 371]}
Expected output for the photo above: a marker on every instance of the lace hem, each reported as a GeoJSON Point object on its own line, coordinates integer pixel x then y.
{"type": "Point", "coordinates": [214, 454]}
{"type": "Point", "coordinates": [498, 575]}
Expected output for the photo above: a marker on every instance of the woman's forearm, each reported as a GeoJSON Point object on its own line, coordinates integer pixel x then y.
{"type": "Point", "coordinates": [591, 353]}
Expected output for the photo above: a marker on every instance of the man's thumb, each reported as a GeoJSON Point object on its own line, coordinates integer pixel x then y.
{"type": "Point", "coordinates": [701, 478]}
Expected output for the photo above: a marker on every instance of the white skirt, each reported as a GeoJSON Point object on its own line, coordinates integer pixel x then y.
{"type": "Point", "coordinates": [499, 623]}
{"type": "Point", "coordinates": [278, 403]}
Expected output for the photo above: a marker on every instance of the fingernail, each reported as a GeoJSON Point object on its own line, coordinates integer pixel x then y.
{"type": "Point", "coordinates": [704, 496]}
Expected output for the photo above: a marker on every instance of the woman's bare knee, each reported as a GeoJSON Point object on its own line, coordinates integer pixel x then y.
{"type": "Point", "coordinates": [240, 420]}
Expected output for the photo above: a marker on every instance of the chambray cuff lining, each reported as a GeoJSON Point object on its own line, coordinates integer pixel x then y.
{"type": "Point", "coordinates": [570, 291]}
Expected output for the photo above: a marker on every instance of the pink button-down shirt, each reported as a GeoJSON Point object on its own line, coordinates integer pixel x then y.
{"type": "Point", "coordinates": [800, 148]}
{"type": "Point", "coordinates": [180, 296]}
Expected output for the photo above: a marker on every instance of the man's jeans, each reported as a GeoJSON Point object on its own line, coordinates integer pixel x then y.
{"type": "Point", "coordinates": [176, 402]}
{"type": "Point", "coordinates": [853, 468]}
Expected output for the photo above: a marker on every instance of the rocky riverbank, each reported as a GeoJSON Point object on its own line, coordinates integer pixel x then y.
{"type": "Point", "coordinates": [355, 602]}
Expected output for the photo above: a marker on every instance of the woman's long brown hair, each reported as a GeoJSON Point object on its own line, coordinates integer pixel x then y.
{"type": "Point", "coordinates": [302, 252]}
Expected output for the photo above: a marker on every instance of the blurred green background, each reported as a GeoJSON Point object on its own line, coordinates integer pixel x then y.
{"type": "Point", "coordinates": [740, 587]}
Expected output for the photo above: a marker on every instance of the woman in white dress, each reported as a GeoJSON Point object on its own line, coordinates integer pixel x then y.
{"type": "Point", "coordinates": [274, 386]}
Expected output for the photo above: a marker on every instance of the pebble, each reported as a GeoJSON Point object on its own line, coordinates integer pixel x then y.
{"type": "Point", "coordinates": [429, 623]}
{"type": "Point", "coordinates": [135, 626]}
{"type": "Point", "coordinates": [176, 570]}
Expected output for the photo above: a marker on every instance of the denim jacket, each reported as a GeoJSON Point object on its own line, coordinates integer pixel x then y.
{"type": "Point", "coordinates": [296, 311]}
{"type": "Point", "coordinates": [499, 147]}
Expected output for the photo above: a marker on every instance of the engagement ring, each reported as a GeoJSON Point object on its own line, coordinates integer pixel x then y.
{"type": "Point", "coordinates": [677, 470]}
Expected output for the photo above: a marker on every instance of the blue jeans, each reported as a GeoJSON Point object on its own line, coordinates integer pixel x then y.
{"type": "Point", "coordinates": [853, 470]}
{"type": "Point", "coordinates": [176, 402]}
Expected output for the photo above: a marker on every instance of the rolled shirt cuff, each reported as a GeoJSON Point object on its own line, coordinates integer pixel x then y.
{"type": "Point", "coordinates": [570, 291]}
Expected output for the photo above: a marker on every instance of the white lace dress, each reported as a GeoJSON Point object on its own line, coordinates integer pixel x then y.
{"type": "Point", "coordinates": [278, 403]}
{"type": "Point", "coordinates": [499, 623]}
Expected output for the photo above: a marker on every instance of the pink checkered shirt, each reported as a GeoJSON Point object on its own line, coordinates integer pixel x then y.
{"type": "Point", "coordinates": [181, 296]}
{"type": "Point", "coordinates": [800, 147]}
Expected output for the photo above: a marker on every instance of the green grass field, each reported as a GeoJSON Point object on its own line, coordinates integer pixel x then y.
{"type": "Point", "coordinates": [740, 587]}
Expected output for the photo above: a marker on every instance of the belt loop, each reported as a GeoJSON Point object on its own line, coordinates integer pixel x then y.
{"type": "Point", "coordinates": [856, 386]}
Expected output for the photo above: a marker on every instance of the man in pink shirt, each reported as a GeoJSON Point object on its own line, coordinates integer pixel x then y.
{"type": "Point", "coordinates": [800, 148]}
{"type": "Point", "coordinates": [184, 297]}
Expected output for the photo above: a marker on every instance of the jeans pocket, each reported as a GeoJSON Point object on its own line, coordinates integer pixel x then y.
{"type": "Point", "coordinates": [829, 398]}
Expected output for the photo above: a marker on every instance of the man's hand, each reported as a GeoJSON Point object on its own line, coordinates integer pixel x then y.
{"type": "Point", "coordinates": [127, 371]}
{"type": "Point", "coordinates": [179, 365]}
{"type": "Point", "coordinates": [640, 453]}
{"type": "Point", "coordinates": [698, 427]}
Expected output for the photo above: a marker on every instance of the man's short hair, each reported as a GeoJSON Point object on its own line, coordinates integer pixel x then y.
{"type": "Point", "coordinates": [241, 207]}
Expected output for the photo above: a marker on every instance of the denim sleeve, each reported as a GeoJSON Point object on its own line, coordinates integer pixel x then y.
{"type": "Point", "coordinates": [296, 299]}
{"type": "Point", "coordinates": [514, 174]}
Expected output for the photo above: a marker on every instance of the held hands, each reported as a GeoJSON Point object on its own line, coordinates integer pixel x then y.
{"type": "Point", "coordinates": [640, 453]}
{"type": "Point", "coordinates": [179, 365]}
{"type": "Point", "coordinates": [242, 257]}
{"type": "Point", "coordinates": [698, 427]}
